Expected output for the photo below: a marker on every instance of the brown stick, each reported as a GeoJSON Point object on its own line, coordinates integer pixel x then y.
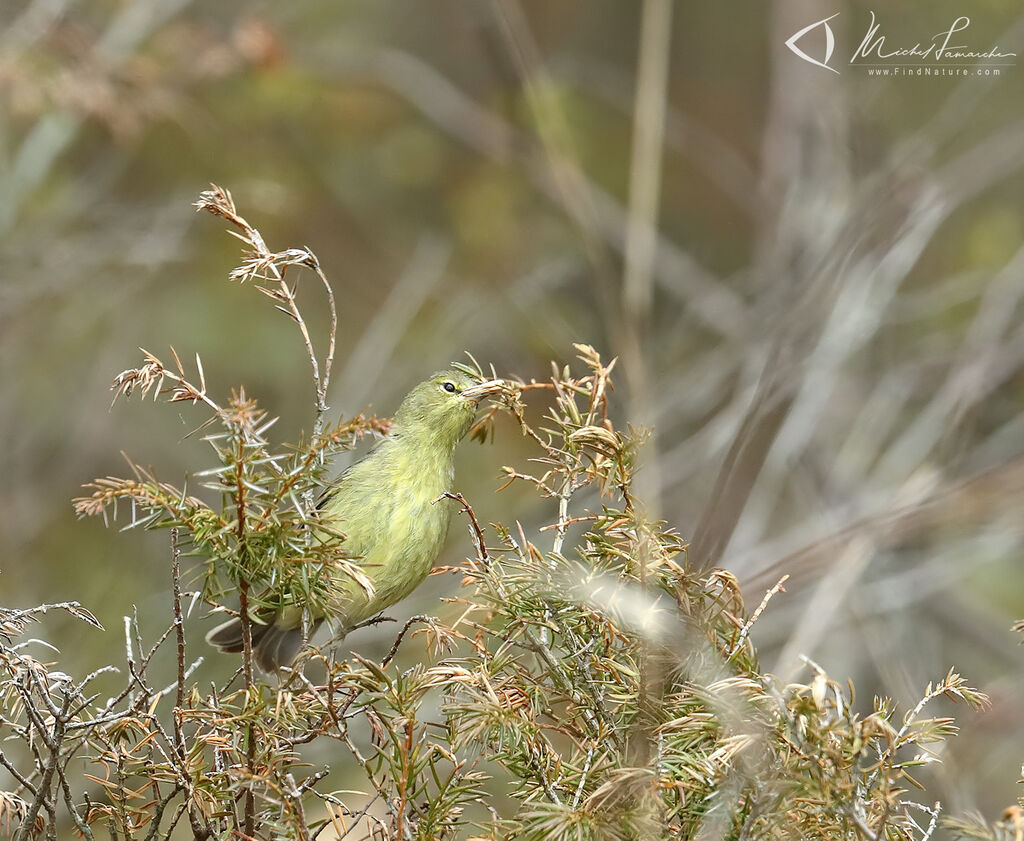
{"type": "Point", "coordinates": [481, 548]}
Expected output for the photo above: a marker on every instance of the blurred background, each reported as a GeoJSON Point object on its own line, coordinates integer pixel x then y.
{"type": "Point", "coordinates": [812, 281]}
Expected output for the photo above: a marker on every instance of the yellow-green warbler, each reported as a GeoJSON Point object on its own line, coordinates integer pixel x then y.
{"type": "Point", "coordinates": [384, 505]}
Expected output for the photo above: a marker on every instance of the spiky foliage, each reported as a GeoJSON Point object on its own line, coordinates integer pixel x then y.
{"type": "Point", "coordinates": [259, 536]}
{"type": "Point", "coordinates": [583, 682]}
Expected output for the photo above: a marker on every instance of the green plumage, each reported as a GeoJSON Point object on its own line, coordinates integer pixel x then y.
{"type": "Point", "coordinates": [385, 507]}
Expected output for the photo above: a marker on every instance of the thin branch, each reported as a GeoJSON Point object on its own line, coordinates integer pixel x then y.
{"type": "Point", "coordinates": [478, 535]}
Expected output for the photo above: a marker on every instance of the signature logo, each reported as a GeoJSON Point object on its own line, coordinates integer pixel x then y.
{"type": "Point", "coordinates": [939, 55]}
{"type": "Point", "coordinates": [830, 42]}
{"type": "Point", "coordinates": [938, 49]}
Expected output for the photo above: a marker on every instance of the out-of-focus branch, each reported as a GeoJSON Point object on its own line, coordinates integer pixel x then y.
{"type": "Point", "coordinates": [810, 546]}
{"type": "Point", "coordinates": [719, 308]}
{"type": "Point", "coordinates": [366, 361]}
{"type": "Point", "coordinates": [803, 176]}
{"type": "Point", "coordinates": [54, 132]}
{"type": "Point", "coordinates": [708, 151]}
{"type": "Point", "coordinates": [641, 230]}
{"type": "Point", "coordinates": [645, 167]}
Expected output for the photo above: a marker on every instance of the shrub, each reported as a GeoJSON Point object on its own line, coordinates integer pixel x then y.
{"type": "Point", "coordinates": [596, 689]}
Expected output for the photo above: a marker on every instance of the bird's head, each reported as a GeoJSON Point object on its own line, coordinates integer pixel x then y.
{"type": "Point", "coordinates": [442, 408]}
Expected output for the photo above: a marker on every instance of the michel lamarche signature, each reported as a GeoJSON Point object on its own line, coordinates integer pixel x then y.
{"type": "Point", "coordinates": [940, 52]}
{"type": "Point", "coordinates": [940, 48]}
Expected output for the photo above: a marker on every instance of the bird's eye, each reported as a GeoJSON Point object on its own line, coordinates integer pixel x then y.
{"type": "Point", "coordinates": [449, 386]}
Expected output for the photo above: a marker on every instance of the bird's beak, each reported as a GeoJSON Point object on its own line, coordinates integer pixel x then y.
{"type": "Point", "coordinates": [481, 390]}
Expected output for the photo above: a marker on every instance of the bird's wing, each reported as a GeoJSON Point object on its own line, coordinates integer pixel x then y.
{"type": "Point", "coordinates": [332, 488]}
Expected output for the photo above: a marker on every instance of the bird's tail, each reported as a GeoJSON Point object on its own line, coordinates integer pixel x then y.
{"type": "Point", "coordinates": [274, 646]}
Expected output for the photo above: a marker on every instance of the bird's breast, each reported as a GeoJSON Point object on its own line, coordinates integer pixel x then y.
{"type": "Point", "coordinates": [390, 512]}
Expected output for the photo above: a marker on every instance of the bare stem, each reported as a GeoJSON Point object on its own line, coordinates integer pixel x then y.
{"type": "Point", "coordinates": [250, 740]}
{"type": "Point", "coordinates": [321, 406]}
{"type": "Point", "coordinates": [563, 517]}
{"type": "Point", "coordinates": [478, 535]}
{"type": "Point", "coordinates": [271, 266]}
{"type": "Point", "coordinates": [246, 620]}
{"type": "Point", "coordinates": [179, 633]}
{"type": "Point", "coordinates": [420, 617]}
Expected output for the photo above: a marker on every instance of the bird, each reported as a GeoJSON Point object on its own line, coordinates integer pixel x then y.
{"type": "Point", "coordinates": [386, 506]}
